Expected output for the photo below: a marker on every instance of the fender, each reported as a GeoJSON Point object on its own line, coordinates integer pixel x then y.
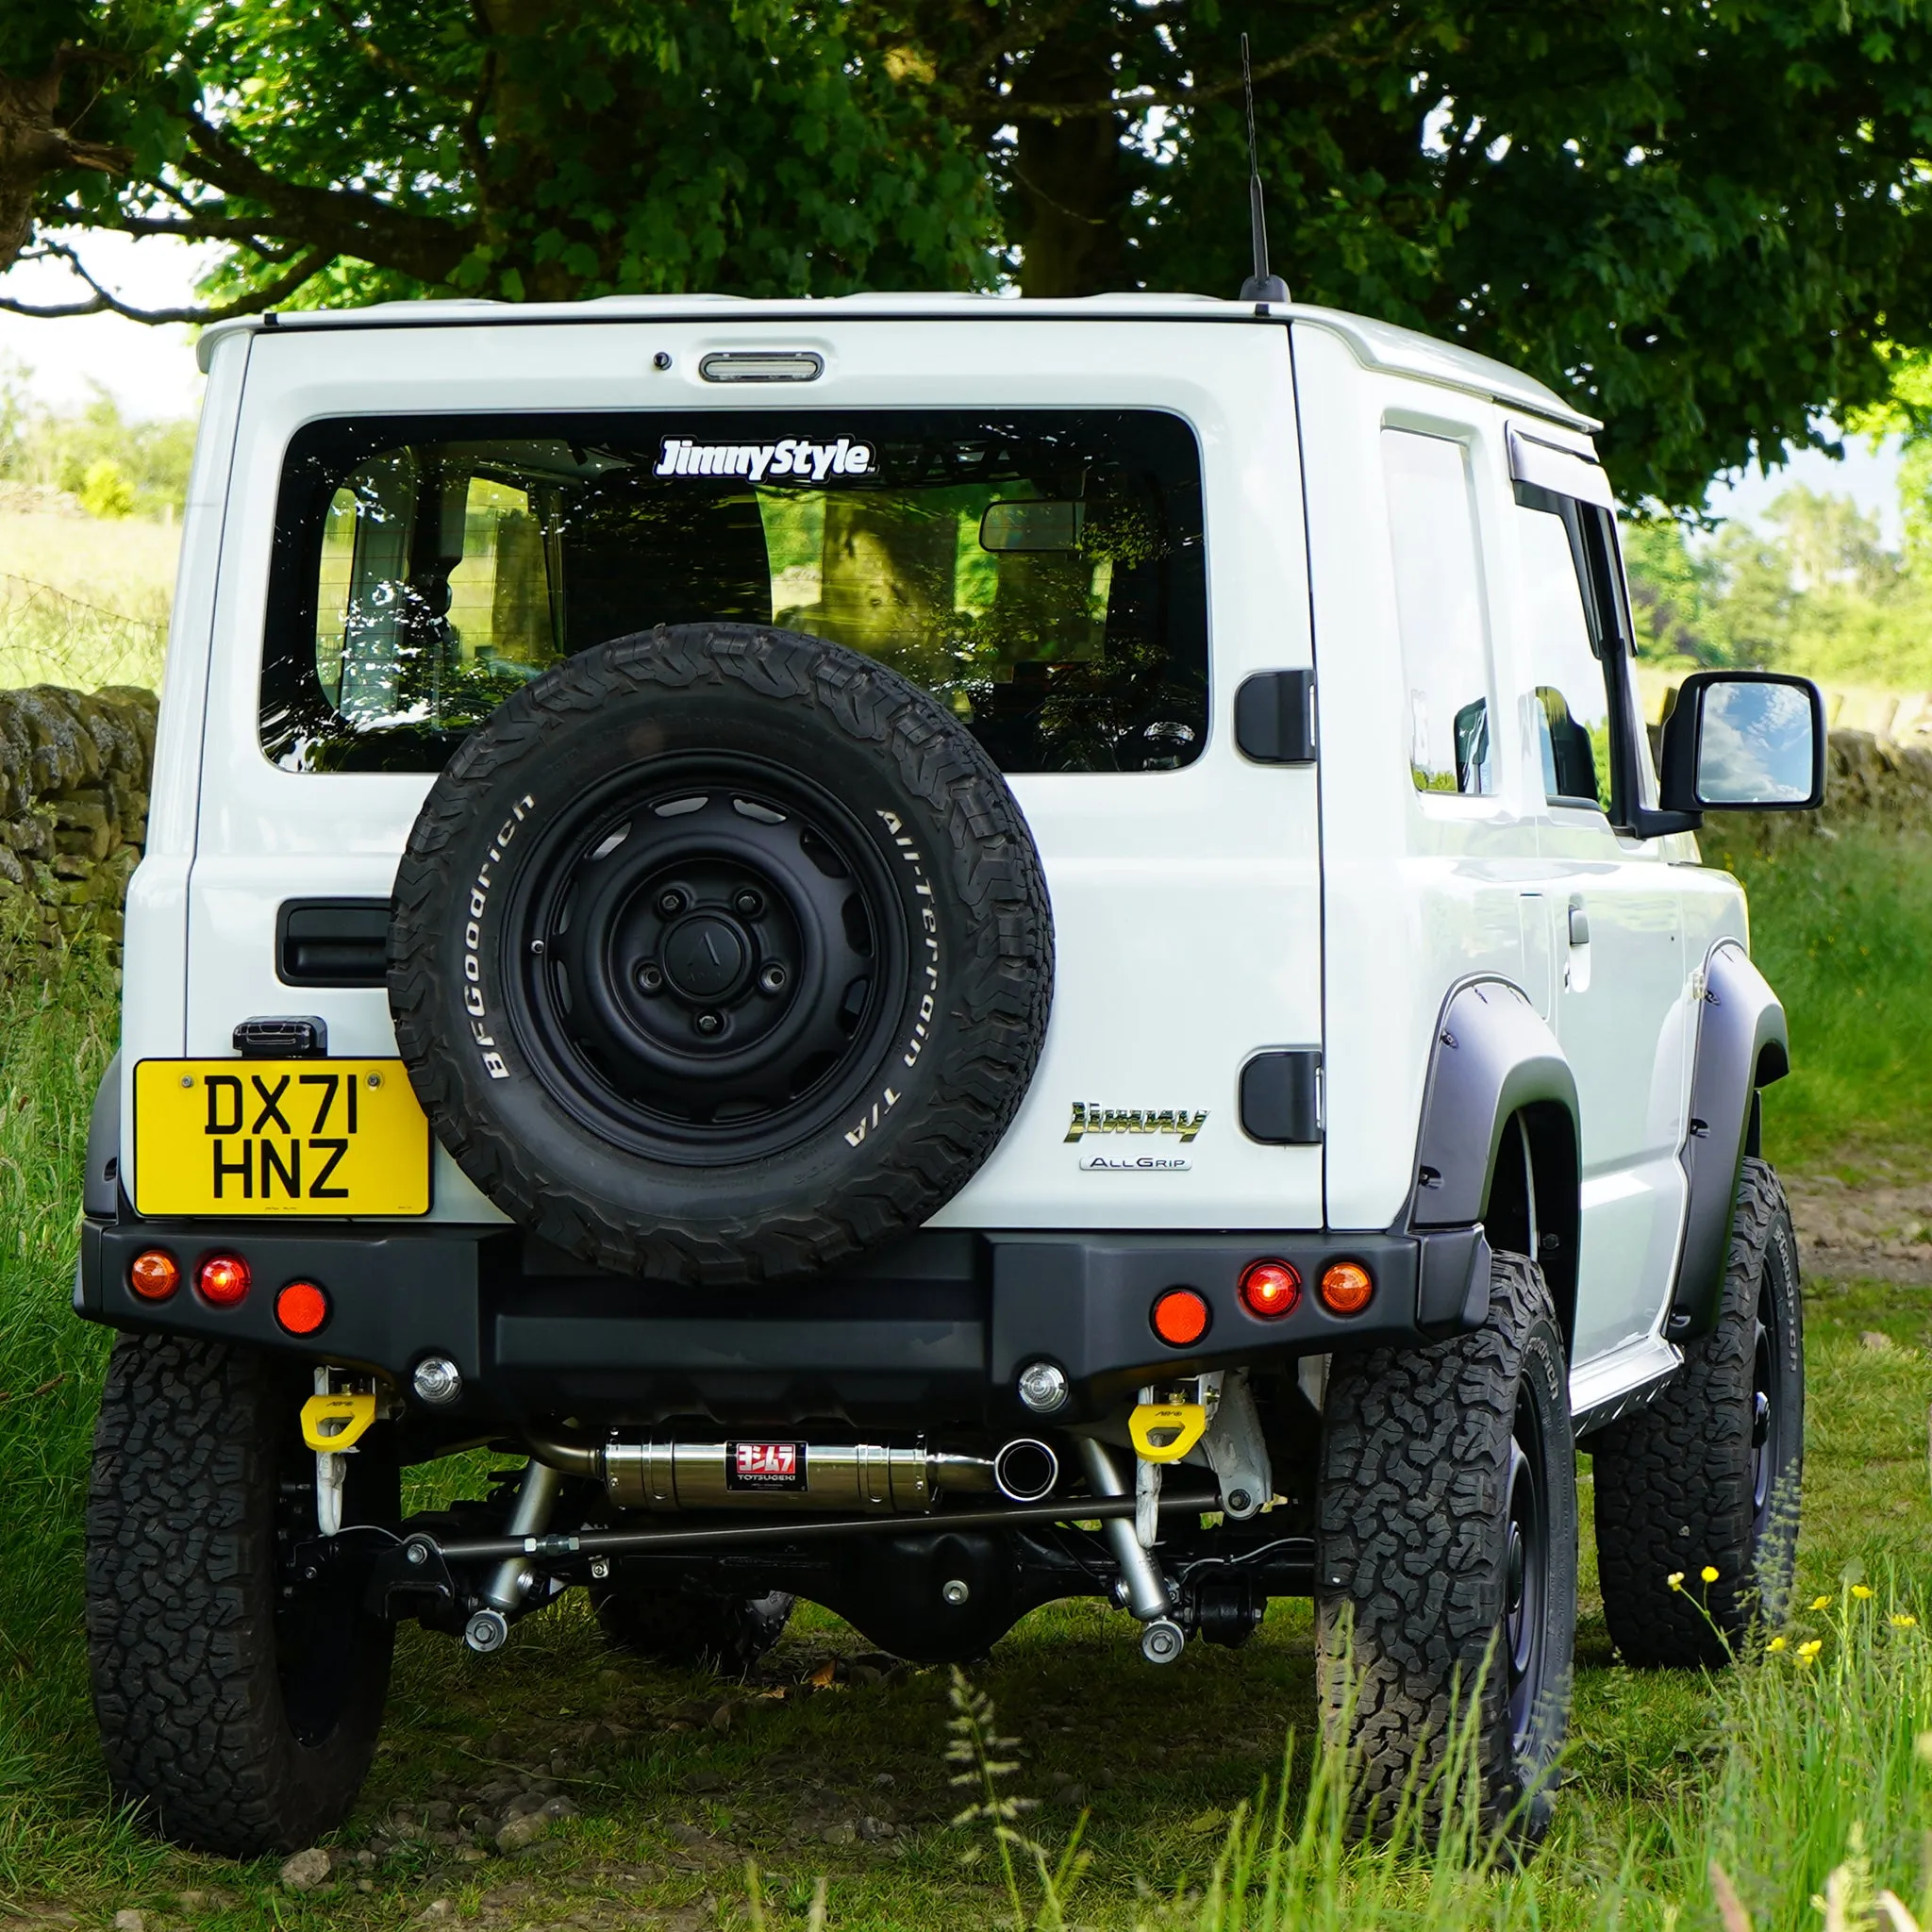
{"type": "Point", "coordinates": [1495, 1062]}
{"type": "Point", "coordinates": [100, 1195]}
{"type": "Point", "coordinates": [1742, 1044]}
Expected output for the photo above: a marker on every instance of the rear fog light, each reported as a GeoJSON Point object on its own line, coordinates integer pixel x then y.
{"type": "Point", "coordinates": [222, 1280]}
{"type": "Point", "coordinates": [154, 1274]}
{"type": "Point", "coordinates": [302, 1308]}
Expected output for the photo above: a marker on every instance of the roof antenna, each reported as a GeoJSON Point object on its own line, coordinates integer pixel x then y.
{"type": "Point", "coordinates": [1260, 285]}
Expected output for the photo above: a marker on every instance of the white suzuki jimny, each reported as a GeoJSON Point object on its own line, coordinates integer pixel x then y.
{"type": "Point", "coordinates": [944, 953]}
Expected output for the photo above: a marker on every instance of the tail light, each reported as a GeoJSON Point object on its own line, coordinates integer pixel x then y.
{"type": "Point", "coordinates": [1271, 1289]}
{"type": "Point", "coordinates": [223, 1279]}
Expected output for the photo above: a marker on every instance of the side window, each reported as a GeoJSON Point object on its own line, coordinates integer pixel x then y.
{"type": "Point", "coordinates": [1572, 701]}
{"type": "Point", "coordinates": [1438, 601]}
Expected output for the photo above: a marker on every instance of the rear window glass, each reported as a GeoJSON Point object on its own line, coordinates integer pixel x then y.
{"type": "Point", "coordinates": [1040, 573]}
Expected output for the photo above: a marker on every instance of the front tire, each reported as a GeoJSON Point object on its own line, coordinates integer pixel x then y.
{"type": "Point", "coordinates": [1446, 1563]}
{"type": "Point", "coordinates": [235, 1719]}
{"type": "Point", "coordinates": [1710, 1473]}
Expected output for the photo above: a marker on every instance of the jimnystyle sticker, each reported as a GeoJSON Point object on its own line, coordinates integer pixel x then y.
{"type": "Point", "coordinates": [790, 456]}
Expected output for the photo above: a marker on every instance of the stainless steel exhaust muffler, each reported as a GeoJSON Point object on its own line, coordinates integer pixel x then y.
{"type": "Point", "coordinates": [870, 1478]}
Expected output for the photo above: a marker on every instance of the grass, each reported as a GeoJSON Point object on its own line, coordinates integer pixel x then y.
{"type": "Point", "coordinates": [1768, 1769]}
{"type": "Point", "coordinates": [84, 603]}
{"type": "Point", "coordinates": [1842, 928]}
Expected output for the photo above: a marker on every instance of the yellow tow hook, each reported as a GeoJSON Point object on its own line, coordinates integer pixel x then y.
{"type": "Point", "coordinates": [339, 1420]}
{"type": "Point", "coordinates": [1165, 1431]}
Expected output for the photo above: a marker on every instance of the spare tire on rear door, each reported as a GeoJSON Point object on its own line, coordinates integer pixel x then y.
{"type": "Point", "coordinates": [721, 954]}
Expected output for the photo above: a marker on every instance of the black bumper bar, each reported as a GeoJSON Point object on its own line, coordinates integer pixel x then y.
{"type": "Point", "coordinates": [933, 1332]}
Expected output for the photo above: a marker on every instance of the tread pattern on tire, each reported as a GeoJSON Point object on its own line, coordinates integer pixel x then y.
{"type": "Point", "coordinates": [1409, 1575]}
{"type": "Point", "coordinates": [180, 1610]}
{"type": "Point", "coordinates": [1673, 1481]}
{"type": "Point", "coordinates": [690, 1628]}
{"type": "Point", "coordinates": [1000, 990]}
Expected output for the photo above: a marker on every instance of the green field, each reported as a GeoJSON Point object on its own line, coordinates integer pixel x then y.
{"type": "Point", "coordinates": [1784, 1771]}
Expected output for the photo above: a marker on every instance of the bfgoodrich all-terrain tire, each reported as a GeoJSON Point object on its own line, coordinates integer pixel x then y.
{"type": "Point", "coordinates": [719, 954]}
{"type": "Point", "coordinates": [689, 1625]}
{"type": "Point", "coordinates": [236, 1719]}
{"type": "Point", "coordinates": [1709, 1475]}
{"type": "Point", "coordinates": [1446, 1561]}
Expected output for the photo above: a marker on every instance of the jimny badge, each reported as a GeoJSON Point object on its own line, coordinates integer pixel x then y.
{"type": "Point", "coordinates": [1134, 1120]}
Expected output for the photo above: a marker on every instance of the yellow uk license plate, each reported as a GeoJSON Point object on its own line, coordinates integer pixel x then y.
{"type": "Point", "coordinates": [278, 1137]}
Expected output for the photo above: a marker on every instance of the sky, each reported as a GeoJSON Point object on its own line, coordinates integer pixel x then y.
{"type": "Point", "coordinates": [150, 370]}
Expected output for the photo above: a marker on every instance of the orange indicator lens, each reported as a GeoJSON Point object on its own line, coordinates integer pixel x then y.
{"type": "Point", "coordinates": [1346, 1286]}
{"type": "Point", "coordinates": [154, 1274]}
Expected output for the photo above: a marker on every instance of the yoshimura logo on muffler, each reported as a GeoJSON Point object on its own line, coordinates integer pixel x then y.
{"type": "Point", "coordinates": [791, 456]}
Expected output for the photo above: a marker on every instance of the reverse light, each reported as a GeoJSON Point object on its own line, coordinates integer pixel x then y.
{"type": "Point", "coordinates": [1271, 1289]}
{"type": "Point", "coordinates": [154, 1274]}
{"type": "Point", "coordinates": [223, 1279]}
{"type": "Point", "coordinates": [302, 1306]}
{"type": "Point", "coordinates": [1346, 1288]}
{"type": "Point", "coordinates": [1180, 1317]}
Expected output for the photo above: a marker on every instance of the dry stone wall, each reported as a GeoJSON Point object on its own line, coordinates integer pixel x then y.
{"type": "Point", "coordinates": [1872, 783]}
{"type": "Point", "coordinates": [74, 787]}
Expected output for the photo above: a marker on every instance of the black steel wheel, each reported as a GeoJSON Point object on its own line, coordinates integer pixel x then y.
{"type": "Point", "coordinates": [719, 954]}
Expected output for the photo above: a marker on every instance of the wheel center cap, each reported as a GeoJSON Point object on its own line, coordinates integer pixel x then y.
{"type": "Point", "coordinates": [706, 956]}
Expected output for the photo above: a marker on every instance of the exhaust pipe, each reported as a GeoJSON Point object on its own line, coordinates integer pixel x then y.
{"type": "Point", "coordinates": [872, 1479]}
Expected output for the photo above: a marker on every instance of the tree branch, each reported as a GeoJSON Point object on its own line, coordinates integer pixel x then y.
{"type": "Point", "coordinates": [1191, 96]}
{"type": "Point", "coordinates": [103, 302]}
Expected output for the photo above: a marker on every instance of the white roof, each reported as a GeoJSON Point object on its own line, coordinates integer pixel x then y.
{"type": "Point", "coordinates": [1375, 344]}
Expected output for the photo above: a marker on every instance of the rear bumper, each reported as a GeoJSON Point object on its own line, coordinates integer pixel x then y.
{"type": "Point", "coordinates": [931, 1333]}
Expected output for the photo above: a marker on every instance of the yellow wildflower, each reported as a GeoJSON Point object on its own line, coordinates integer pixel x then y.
{"type": "Point", "coordinates": [1862, 1590]}
{"type": "Point", "coordinates": [1708, 1572]}
{"type": "Point", "coordinates": [1808, 1650]}
{"type": "Point", "coordinates": [1820, 1603]}
{"type": "Point", "coordinates": [1676, 1579]}
{"type": "Point", "coordinates": [1901, 1620]}
{"type": "Point", "coordinates": [1776, 1644]}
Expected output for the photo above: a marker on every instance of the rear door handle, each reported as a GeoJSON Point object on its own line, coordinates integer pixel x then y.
{"type": "Point", "coordinates": [1579, 927]}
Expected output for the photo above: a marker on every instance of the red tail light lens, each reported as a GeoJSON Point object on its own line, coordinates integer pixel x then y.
{"type": "Point", "coordinates": [1180, 1317]}
{"type": "Point", "coordinates": [1271, 1289]}
{"type": "Point", "coordinates": [154, 1274]}
{"type": "Point", "coordinates": [223, 1279]}
{"type": "Point", "coordinates": [1346, 1286]}
{"type": "Point", "coordinates": [302, 1308]}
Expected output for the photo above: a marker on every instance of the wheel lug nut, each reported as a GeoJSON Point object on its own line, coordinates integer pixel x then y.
{"type": "Point", "coordinates": [773, 978]}
{"type": "Point", "coordinates": [670, 904]}
{"type": "Point", "coordinates": [650, 979]}
{"type": "Point", "coordinates": [709, 1024]}
{"type": "Point", "coordinates": [749, 904]}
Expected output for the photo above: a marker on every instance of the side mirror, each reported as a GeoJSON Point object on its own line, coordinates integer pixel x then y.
{"type": "Point", "coordinates": [1743, 740]}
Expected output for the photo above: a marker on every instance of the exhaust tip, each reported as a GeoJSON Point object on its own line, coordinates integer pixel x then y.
{"type": "Point", "coordinates": [1026, 1471]}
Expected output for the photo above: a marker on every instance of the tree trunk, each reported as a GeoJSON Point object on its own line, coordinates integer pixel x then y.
{"type": "Point", "coordinates": [1072, 180]}
{"type": "Point", "coordinates": [31, 148]}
